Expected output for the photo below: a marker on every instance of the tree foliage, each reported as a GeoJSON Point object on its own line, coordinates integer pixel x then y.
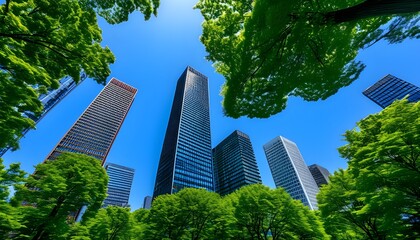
{"type": "Point", "coordinates": [379, 193]}
{"type": "Point", "coordinates": [58, 189]}
{"type": "Point", "coordinates": [42, 41]}
{"type": "Point", "coordinates": [269, 50]}
{"type": "Point", "coordinates": [10, 219]}
{"type": "Point", "coordinates": [262, 213]}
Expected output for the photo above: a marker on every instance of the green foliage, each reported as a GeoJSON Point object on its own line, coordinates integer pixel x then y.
{"type": "Point", "coordinates": [269, 50]}
{"type": "Point", "coordinates": [261, 212]}
{"type": "Point", "coordinates": [378, 196]}
{"type": "Point", "coordinates": [58, 189]}
{"type": "Point", "coordinates": [9, 215]}
{"type": "Point", "coordinates": [384, 157]}
{"type": "Point", "coordinates": [189, 214]}
{"type": "Point", "coordinates": [110, 223]}
{"type": "Point", "coordinates": [42, 41]}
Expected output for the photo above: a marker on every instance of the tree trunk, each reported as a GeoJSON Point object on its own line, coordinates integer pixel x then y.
{"type": "Point", "coordinates": [373, 8]}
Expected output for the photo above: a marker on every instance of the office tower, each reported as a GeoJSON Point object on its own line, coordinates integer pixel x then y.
{"type": "Point", "coordinates": [147, 203]}
{"type": "Point", "coordinates": [391, 88]}
{"type": "Point", "coordinates": [321, 175]}
{"type": "Point", "coordinates": [290, 171]}
{"type": "Point", "coordinates": [234, 163]}
{"type": "Point", "coordinates": [49, 100]}
{"type": "Point", "coordinates": [96, 129]}
{"type": "Point", "coordinates": [185, 160]}
{"type": "Point", "coordinates": [119, 185]}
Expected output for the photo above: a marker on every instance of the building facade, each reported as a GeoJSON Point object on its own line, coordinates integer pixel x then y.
{"type": "Point", "coordinates": [321, 175]}
{"type": "Point", "coordinates": [185, 159]}
{"type": "Point", "coordinates": [50, 99]}
{"type": "Point", "coordinates": [119, 185]}
{"type": "Point", "coordinates": [96, 129]}
{"type": "Point", "coordinates": [147, 203]}
{"type": "Point", "coordinates": [390, 88]}
{"type": "Point", "coordinates": [235, 164]}
{"type": "Point", "coordinates": [290, 171]}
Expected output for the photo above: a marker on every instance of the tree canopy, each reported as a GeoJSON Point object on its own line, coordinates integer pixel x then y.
{"type": "Point", "coordinates": [42, 41]}
{"type": "Point", "coordinates": [270, 50]}
{"type": "Point", "coordinates": [379, 193]}
{"type": "Point", "coordinates": [56, 190]}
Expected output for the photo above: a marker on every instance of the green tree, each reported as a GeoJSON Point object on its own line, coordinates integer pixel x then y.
{"type": "Point", "coordinates": [262, 213]}
{"type": "Point", "coordinates": [110, 223]}
{"type": "Point", "coordinates": [9, 216]}
{"type": "Point", "coordinates": [188, 214]}
{"type": "Point", "coordinates": [269, 50]}
{"type": "Point", "coordinates": [58, 189]}
{"type": "Point", "coordinates": [42, 41]}
{"type": "Point", "coordinates": [342, 209]}
{"type": "Point", "coordinates": [383, 155]}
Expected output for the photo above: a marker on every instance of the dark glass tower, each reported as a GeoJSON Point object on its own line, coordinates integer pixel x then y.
{"type": "Point", "coordinates": [391, 88]}
{"type": "Point", "coordinates": [96, 129]}
{"type": "Point", "coordinates": [320, 174]}
{"type": "Point", "coordinates": [185, 160]}
{"type": "Point", "coordinates": [119, 185]}
{"type": "Point", "coordinates": [234, 163]}
{"type": "Point", "coordinates": [50, 99]}
{"type": "Point", "coordinates": [290, 171]}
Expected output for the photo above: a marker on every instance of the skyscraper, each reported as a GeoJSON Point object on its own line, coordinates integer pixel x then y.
{"type": "Point", "coordinates": [119, 185]}
{"type": "Point", "coordinates": [320, 174]}
{"type": "Point", "coordinates": [147, 203]}
{"type": "Point", "coordinates": [391, 88]}
{"type": "Point", "coordinates": [185, 160]}
{"type": "Point", "coordinates": [290, 171]}
{"type": "Point", "coordinates": [96, 129]}
{"type": "Point", "coordinates": [51, 99]}
{"type": "Point", "coordinates": [234, 163]}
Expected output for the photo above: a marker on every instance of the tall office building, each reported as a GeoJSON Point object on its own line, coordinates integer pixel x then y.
{"type": "Point", "coordinates": [186, 160]}
{"type": "Point", "coordinates": [321, 175]}
{"type": "Point", "coordinates": [147, 203]}
{"type": "Point", "coordinates": [96, 129]}
{"type": "Point", "coordinates": [391, 88]}
{"type": "Point", "coordinates": [234, 163]}
{"type": "Point", "coordinates": [290, 171]}
{"type": "Point", "coordinates": [119, 185]}
{"type": "Point", "coordinates": [49, 100]}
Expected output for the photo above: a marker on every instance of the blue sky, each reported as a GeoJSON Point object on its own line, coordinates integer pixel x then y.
{"type": "Point", "coordinates": [151, 55]}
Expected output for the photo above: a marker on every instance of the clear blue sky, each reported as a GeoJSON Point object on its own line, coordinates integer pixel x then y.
{"type": "Point", "coordinates": [151, 55]}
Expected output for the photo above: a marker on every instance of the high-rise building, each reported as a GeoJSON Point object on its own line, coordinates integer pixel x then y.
{"type": "Point", "coordinates": [321, 175]}
{"type": "Point", "coordinates": [234, 163]}
{"type": "Point", "coordinates": [147, 203]}
{"type": "Point", "coordinates": [51, 99]}
{"type": "Point", "coordinates": [119, 185]}
{"type": "Point", "coordinates": [390, 88]}
{"type": "Point", "coordinates": [96, 129]}
{"type": "Point", "coordinates": [290, 171]}
{"type": "Point", "coordinates": [186, 160]}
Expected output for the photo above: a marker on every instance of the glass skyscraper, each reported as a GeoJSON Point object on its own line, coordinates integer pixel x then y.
{"type": "Point", "coordinates": [186, 160]}
{"type": "Point", "coordinates": [119, 185]}
{"type": "Point", "coordinates": [321, 175]}
{"type": "Point", "coordinates": [390, 88]}
{"type": "Point", "coordinates": [290, 171]}
{"type": "Point", "coordinates": [51, 99]}
{"type": "Point", "coordinates": [96, 129]}
{"type": "Point", "coordinates": [234, 163]}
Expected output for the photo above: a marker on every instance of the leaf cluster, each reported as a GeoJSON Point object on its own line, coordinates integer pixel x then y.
{"type": "Point", "coordinates": [378, 196]}
{"type": "Point", "coordinates": [270, 50]}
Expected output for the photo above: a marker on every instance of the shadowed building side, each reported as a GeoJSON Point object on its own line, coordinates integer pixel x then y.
{"type": "Point", "coordinates": [234, 163]}
{"type": "Point", "coordinates": [390, 88]}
